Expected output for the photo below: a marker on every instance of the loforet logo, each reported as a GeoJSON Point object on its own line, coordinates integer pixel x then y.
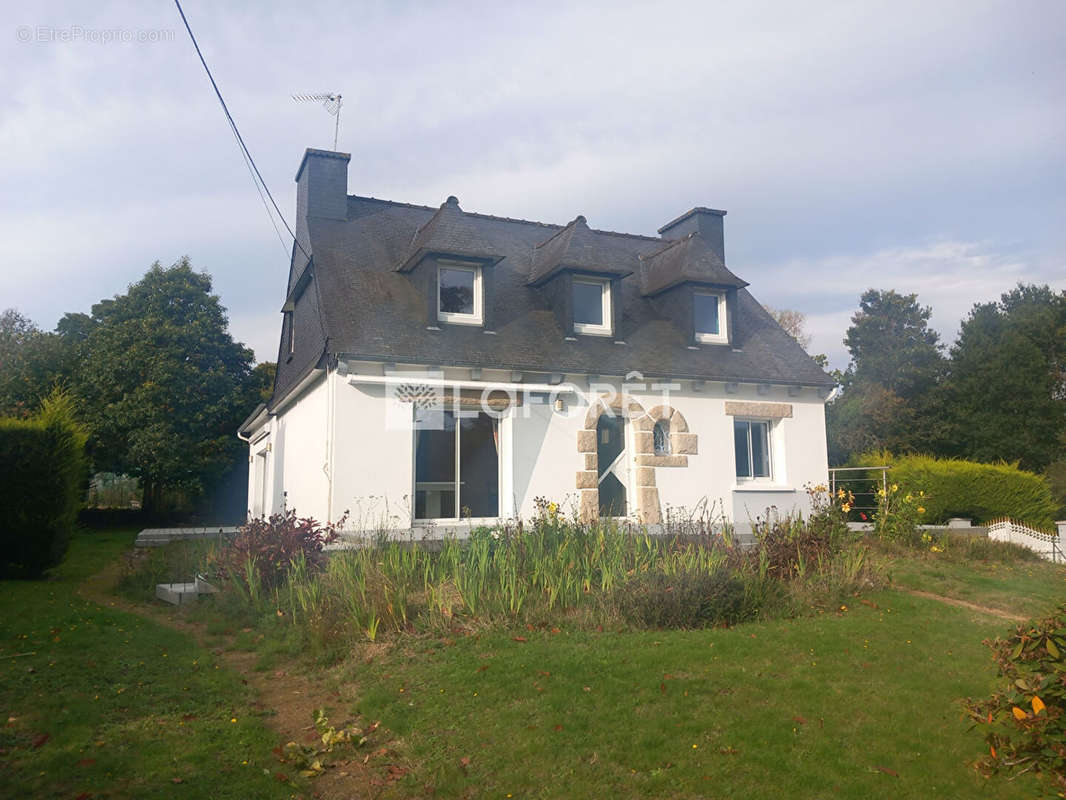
{"type": "Point", "coordinates": [420, 392]}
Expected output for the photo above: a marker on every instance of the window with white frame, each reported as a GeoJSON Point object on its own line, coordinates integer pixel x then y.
{"type": "Point", "coordinates": [751, 439]}
{"type": "Point", "coordinates": [592, 306]}
{"type": "Point", "coordinates": [459, 293]}
{"type": "Point", "coordinates": [708, 317]}
{"type": "Point", "coordinates": [457, 464]}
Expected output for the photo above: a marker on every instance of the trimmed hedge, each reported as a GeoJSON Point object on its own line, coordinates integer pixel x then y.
{"type": "Point", "coordinates": [957, 488]}
{"type": "Point", "coordinates": [42, 472]}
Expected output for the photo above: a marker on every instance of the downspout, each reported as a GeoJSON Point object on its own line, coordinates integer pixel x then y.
{"type": "Point", "coordinates": [328, 466]}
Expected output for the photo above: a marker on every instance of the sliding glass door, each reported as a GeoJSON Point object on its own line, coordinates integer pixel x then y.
{"type": "Point", "coordinates": [457, 465]}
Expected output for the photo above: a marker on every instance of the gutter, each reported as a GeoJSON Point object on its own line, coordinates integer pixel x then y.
{"type": "Point", "coordinates": [291, 395]}
{"type": "Point", "coordinates": [397, 379]}
{"type": "Point", "coordinates": [258, 412]}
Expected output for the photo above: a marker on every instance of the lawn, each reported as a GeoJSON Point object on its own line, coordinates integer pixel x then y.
{"type": "Point", "coordinates": [105, 704]}
{"type": "Point", "coordinates": [858, 701]}
{"type": "Point", "coordinates": [1028, 588]}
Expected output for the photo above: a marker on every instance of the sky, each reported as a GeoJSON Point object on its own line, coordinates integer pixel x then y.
{"type": "Point", "coordinates": [915, 146]}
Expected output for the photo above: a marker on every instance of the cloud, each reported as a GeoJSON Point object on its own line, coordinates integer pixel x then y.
{"type": "Point", "coordinates": [853, 141]}
{"type": "Point", "coordinates": [947, 275]}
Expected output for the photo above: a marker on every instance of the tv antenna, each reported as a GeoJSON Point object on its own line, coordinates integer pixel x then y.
{"type": "Point", "coordinates": [331, 102]}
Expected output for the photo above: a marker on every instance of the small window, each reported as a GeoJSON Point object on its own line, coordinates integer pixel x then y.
{"type": "Point", "coordinates": [459, 294]}
{"type": "Point", "coordinates": [592, 307]}
{"type": "Point", "coordinates": [661, 438]}
{"type": "Point", "coordinates": [708, 316]}
{"type": "Point", "coordinates": [291, 343]}
{"type": "Point", "coordinates": [751, 438]}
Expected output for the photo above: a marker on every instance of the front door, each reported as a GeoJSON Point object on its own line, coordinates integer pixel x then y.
{"type": "Point", "coordinates": [612, 465]}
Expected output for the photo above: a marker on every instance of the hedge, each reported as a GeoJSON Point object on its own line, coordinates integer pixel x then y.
{"type": "Point", "coordinates": [982, 492]}
{"type": "Point", "coordinates": [42, 473]}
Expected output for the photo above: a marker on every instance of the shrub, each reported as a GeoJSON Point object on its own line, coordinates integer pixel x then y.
{"type": "Point", "coordinates": [270, 546]}
{"type": "Point", "coordinates": [957, 488]}
{"type": "Point", "coordinates": [43, 472]}
{"type": "Point", "coordinates": [686, 599]}
{"type": "Point", "coordinates": [790, 547]}
{"type": "Point", "coordinates": [1026, 722]}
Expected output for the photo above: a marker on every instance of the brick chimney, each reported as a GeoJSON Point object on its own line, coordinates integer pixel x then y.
{"type": "Point", "coordinates": [321, 189]}
{"type": "Point", "coordinates": [706, 221]}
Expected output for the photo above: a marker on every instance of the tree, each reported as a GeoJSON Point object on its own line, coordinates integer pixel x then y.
{"type": "Point", "coordinates": [163, 384]}
{"type": "Point", "coordinates": [887, 399]}
{"type": "Point", "coordinates": [892, 345]}
{"type": "Point", "coordinates": [262, 380]}
{"type": "Point", "coordinates": [794, 323]}
{"type": "Point", "coordinates": [32, 364]}
{"type": "Point", "coordinates": [1005, 396]}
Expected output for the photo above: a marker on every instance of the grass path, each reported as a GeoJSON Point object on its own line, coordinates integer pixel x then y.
{"type": "Point", "coordinates": [286, 694]}
{"type": "Point", "coordinates": [954, 601]}
{"type": "Point", "coordinates": [113, 705]}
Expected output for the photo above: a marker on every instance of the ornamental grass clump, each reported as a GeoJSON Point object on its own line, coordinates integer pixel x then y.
{"type": "Point", "coordinates": [1025, 722]}
{"type": "Point", "coordinates": [551, 571]}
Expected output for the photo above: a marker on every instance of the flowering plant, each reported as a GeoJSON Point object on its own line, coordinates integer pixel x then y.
{"type": "Point", "coordinates": [898, 515]}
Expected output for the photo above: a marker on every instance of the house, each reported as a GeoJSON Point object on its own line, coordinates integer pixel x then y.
{"type": "Point", "coordinates": [439, 367]}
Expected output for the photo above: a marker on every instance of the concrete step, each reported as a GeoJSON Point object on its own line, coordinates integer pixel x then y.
{"type": "Point", "coordinates": [157, 537]}
{"type": "Point", "coordinates": [180, 594]}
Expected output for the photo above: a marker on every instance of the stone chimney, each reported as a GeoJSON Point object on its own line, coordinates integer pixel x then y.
{"type": "Point", "coordinates": [706, 221]}
{"type": "Point", "coordinates": [321, 189]}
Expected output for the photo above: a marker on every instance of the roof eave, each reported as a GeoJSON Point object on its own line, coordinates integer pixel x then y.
{"type": "Point", "coordinates": [423, 253]}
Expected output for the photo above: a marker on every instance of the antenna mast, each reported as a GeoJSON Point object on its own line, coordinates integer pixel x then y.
{"type": "Point", "coordinates": [331, 102]}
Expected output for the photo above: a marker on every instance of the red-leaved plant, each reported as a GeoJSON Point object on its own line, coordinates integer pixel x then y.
{"type": "Point", "coordinates": [272, 544]}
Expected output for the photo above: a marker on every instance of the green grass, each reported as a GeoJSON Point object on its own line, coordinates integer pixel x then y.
{"type": "Point", "coordinates": [1027, 587]}
{"type": "Point", "coordinates": [854, 703]}
{"type": "Point", "coordinates": [130, 709]}
{"type": "Point", "coordinates": [813, 707]}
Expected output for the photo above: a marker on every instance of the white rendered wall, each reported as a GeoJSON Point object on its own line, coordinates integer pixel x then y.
{"type": "Point", "coordinates": [373, 460]}
{"type": "Point", "coordinates": [300, 453]}
{"type": "Point", "coordinates": [369, 469]}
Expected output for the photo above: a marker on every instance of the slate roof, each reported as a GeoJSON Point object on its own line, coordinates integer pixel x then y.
{"type": "Point", "coordinates": [360, 304]}
{"type": "Point", "coordinates": [688, 259]}
{"type": "Point", "coordinates": [577, 247]}
{"type": "Point", "coordinates": [449, 231]}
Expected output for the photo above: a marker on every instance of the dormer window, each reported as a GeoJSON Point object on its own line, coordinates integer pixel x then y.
{"type": "Point", "coordinates": [459, 293]}
{"type": "Point", "coordinates": [708, 317]}
{"type": "Point", "coordinates": [592, 306]}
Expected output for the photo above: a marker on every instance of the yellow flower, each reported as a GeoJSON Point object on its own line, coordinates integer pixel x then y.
{"type": "Point", "coordinates": [552, 508]}
{"type": "Point", "coordinates": [921, 510]}
{"type": "Point", "coordinates": [846, 507]}
{"type": "Point", "coordinates": [895, 487]}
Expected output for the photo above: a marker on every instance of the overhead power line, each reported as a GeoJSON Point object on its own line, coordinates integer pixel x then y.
{"type": "Point", "coordinates": [257, 177]}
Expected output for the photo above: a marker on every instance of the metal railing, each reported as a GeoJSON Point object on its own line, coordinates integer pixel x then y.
{"type": "Point", "coordinates": [862, 482]}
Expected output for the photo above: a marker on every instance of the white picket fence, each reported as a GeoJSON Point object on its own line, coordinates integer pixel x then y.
{"type": "Point", "coordinates": [1048, 545]}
